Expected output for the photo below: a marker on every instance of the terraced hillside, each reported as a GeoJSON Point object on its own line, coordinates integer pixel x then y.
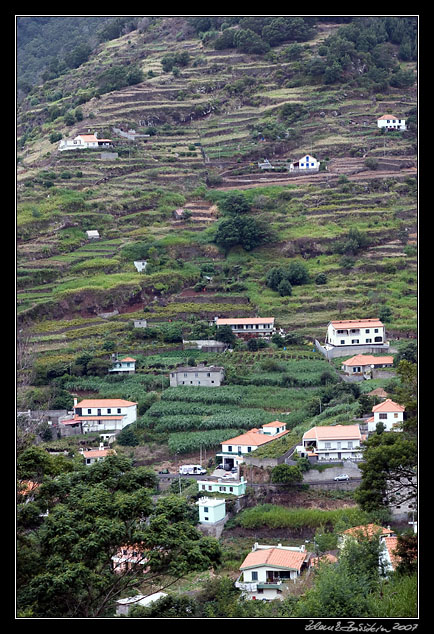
{"type": "Point", "coordinates": [200, 133]}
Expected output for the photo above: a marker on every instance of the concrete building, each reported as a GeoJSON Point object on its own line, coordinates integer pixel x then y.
{"type": "Point", "coordinates": [211, 510]}
{"type": "Point", "coordinates": [355, 332]}
{"type": "Point", "coordinates": [248, 327]}
{"type": "Point", "coordinates": [208, 376]}
{"type": "Point", "coordinates": [223, 485]}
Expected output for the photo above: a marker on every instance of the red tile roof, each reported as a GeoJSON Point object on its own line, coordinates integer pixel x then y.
{"type": "Point", "coordinates": [357, 323]}
{"type": "Point", "coordinates": [253, 437]}
{"type": "Point", "coordinates": [368, 530]}
{"type": "Point", "coordinates": [367, 359]}
{"type": "Point", "coordinates": [247, 320]}
{"type": "Point", "coordinates": [388, 406]}
{"type": "Point", "coordinates": [104, 402]}
{"type": "Point", "coordinates": [325, 432]}
{"type": "Point", "coordinates": [275, 557]}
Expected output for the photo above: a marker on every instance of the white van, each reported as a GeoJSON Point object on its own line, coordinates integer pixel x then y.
{"type": "Point", "coordinates": [191, 469]}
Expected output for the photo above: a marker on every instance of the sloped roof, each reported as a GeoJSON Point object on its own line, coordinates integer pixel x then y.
{"type": "Point", "coordinates": [104, 402]}
{"type": "Point", "coordinates": [366, 359]}
{"type": "Point", "coordinates": [276, 557]}
{"type": "Point", "coordinates": [253, 437]}
{"type": "Point", "coordinates": [388, 406]}
{"type": "Point", "coordinates": [246, 320]}
{"type": "Point", "coordinates": [326, 432]}
{"type": "Point", "coordinates": [369, 530]}
{"type": "Point", "coordinates": [357, 323]}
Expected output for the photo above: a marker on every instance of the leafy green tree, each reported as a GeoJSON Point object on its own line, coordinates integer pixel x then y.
{"type": "Point", "coordinates": [297, 273]}
{"type": "Point", "coordinates": [127, 437]}
{"type": "Point", "coordinates": [65, 566]}
{"type": "Point", "coordinates": [226, 335]}
{"type": "Point", "coordinates": [234, 203]}
{"type": "Point", "coordinates": [286, 474]}
{"type": "Point", "coordinates": [285, 288]}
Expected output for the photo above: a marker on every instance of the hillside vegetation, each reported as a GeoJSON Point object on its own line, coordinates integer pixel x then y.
{"type": "Point", "coordinates": [209, 99]}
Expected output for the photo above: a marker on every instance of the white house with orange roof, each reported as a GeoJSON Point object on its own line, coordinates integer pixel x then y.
{"type": "Point", "coordinates": [91, 456]}
{"type": "Point", "coordinates": [104, 414]}
{"type": "Point", "coordinates": [247, 327]}
{"type": "Point", "coordinates": [355, 332]}
{"type": "Point", "coordinates": [389, 413]}
{"type": "Point", "coordinates": [391, 122]}
{"type": "Point", "coordinates": [363, 364]}
{"type": "Point", "coordinates": [388, 542]}
{"type": "Point", "coordinates": [332, 442]}
{"type": "Point", "coordinates": [84, 142]}
{"type": "Point", "coordinates": [127, 365]}
{"type": "Point", "coordinates": [267, 570]}
{"type": "Point", "coordinates": [235, 449]}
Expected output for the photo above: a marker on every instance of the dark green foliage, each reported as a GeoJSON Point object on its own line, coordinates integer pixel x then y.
{"type": "Point", "coordinates": [226, 335]}
{"type": "Point", "coordinates": [127, 437]}
{"type": "Point", "coordinates": [246, 232]}
{"type": "Point", "coordinates": [281, 278]}
{"type": "Point", "coordinates": [233, 204]}
{"type": "Point", "coordinates": [286, 474]}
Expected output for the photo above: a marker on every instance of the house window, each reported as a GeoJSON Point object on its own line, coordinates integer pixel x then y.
{"type": "Point", "coordinates": [230, 448]}
{"type": "Point", "coordinates": [209, 374]}
{"type": "Point", "coordinates": [203, 487]}
{"type": "Point", "coordinates": [367, 330]}
{"type": "Point", "coordinates": [119, 410]}
{"type": "Point", "coordinates": [368, 340]}
{"type": "Point", "coordinates": [395, 415]}
{"type": "Point", "coordinates": [375, 329]}
{"type": "Point", "coordinates": [249, 449]}
{"type": "Point", "coordinates": [342, 340]}
{"type": "Point", "coordinates": [109, 411]}
{"type": "Point", "coordinates": [89, 411]}
{"type": "Point", "coordinates": [254, 575]}
{"type": "Point", "coordinates": [354, 341]}
{"type": "Point", "coordinates": [327, 445]}
{"type": "Point", "coordinates": [383, 416]}
{"type": "Point", "coordinates": [205, 509]}
{"type": "Point", "coordinates": [350, 444]}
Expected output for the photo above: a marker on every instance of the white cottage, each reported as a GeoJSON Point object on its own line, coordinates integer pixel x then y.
{"type": "Point", "coordinates": [391, 122]}
{"type": "Point", "coordinates": [266, 570]}
{"type": "Point", "coordinates": [389, 413]}
{"type": "Point", "coordinates": [247, 326]}
{"type": "Point", "coordinates": [306, 163]}
{"type": "Point", "coordinates": [127, 365]}
{"type": "Point", "coordinates": [84, 142]}
{"type": "Point", "coordinates": [91, 456]}
{"type": "Point", "coordinates": [235, 449]}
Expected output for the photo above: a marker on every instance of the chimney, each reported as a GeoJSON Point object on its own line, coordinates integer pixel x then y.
{"type": "Point", "coordinates": [75, 401]}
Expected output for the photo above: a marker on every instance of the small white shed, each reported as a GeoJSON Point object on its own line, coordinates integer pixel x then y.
{"type": "Point", "coordinates": [140, 265]}
{"type": "Point", "coordinates": [123, 605]}
{"type": "Point", "coordinates": [93, 234]}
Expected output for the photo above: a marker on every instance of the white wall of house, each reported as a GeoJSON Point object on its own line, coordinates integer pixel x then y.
{"type": "Point", "coordinates": [389, 420]}
{"type": "Point", "coordinates": [140, 265]}
{"type": "Point", "coordinates": [124, 366]}
{"type": "Point", "coordinates": [211, 510]}
{"type": "Point", "coordinates": [307, 162]}
{"type": "Point", "coordinates": [392, 124]}
{"type": "Point", "coordinates": [355, 336]}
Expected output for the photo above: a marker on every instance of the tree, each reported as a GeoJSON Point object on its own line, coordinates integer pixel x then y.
{"type": "Point", "coordinates": [252, 345]}
{"type": "Point", "coordinates": [285, 288]}
{"type": "Point", "coordinates": [297, 273]}
{"type": "Point", "coordinates": [286, 474]}
{"type": "Point", "coordinates": [234, 203]}
{"type": "Point", "coordinates": [65, 567]}
{"type": "Point", "coordinates": [226, 335]}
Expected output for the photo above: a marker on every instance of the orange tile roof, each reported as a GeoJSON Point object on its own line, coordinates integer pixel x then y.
{"type": "Point", "coordinates": [128, 359]}
{"type": "Point", "coordinates": [276, 557]}
{"type": "Point", "coordinates": [369, 530]}
{"type": "Point", "coordinates": [391, 544]}
{"type": "Point", "coordinates": [357, 323]}
{"type": "Point", "coordinates": [388, 406]}
{"type": "Point", "coordinates": [324, 432]}
{"type": "Point", "coordinates": [28, 487]}
{"type": "Point", "coordinates": [88, 138]}
{"type": "Point", "coordinates": [388, 116]}
{"type": "Point", "coordinates": [314, 561]}
{"type": "Point", "coordinates": [97, 453]}
{"type": "Point", "coordinates": [247, 320]}
{"type": "Point", "coordinates": [105, 402]}
{"type": "Point", "coordinates": [276, 423]}
{"type": "Point", "coordinates": [367, 359]}
{"type": "Point", "coordinates": [253, 437]}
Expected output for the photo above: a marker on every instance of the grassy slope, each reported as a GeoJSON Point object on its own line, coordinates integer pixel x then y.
{"type": "Point", "coordinates": [62, 277]}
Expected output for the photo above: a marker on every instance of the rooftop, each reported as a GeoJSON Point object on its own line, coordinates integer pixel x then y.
{"type": "Point", "coordinates": [275, 557]}
{"type": "Point", "coordinates": [357, 323]}
{"type": "Point", "coordinates": [104, 402]}
{"type": "Point", "coordinates": [367, 359]}
{"type": "Point", "coordinates": [388, 406]}
{"type": "Point", "coordinates": [245, 320]}
{"type": "Point", "coordinates": [326, 432]}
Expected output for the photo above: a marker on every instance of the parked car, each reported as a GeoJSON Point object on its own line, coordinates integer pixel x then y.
{"type": "Point", "coordinates": [342, 476]}
{"type": "Point", "coordinates": [164, 471]}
